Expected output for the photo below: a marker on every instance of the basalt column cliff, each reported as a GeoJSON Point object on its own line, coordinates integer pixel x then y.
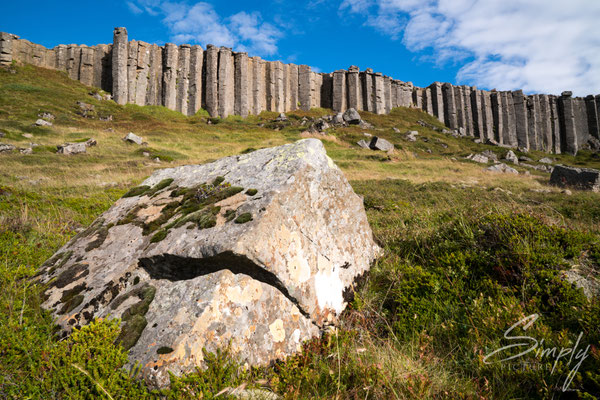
{"type": "Point", "coordinates": [186, 78]}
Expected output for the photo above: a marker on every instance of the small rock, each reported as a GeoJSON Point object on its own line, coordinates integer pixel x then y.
{"type": "Point", "coordinates": [321, 125]}
{"type": "Point", "coordinates": [107, 118]}
{"type": "Point", "coordinates": [352, 116]}
{"type": "Point", "coordinates": [338, 119]}
{"type": "Point", "coordinates": [546, 160]}
{"type": "Point", "coordinates": [41, 122]}
{"type": "Point", "coordinates": [2, 134]}
{"type": "Point", "coordinates": [512, 157]}
{"type": "Point", "coordinates": [281, 118]}
{"type": "Point", "coordinates": [425, 139]}
{"type": "Point", "coordinates": [479, 158]}
{"type": "Point", "coordinates": [96, 95]}
{"type": "Point", "coordinates": [109, 130]}
{"type": "Point", "coordinates": [380, 144]}
{"type": "Point", "coordinates": [365, 125]}
{"type": "Point", "coordinates": [412, 136]}
{"type": "Point", "coordinates": [146, 154]}
{"type": "Point", "coordinates": [6, 148]}
{"type": "Point", "coordinates": [86, 110]}
{"type": "Point", "coordinates": [396, 130]}
{"type": "Point", "coordinates": [27, 150]}
{"type": "Point", "coordinates": [366, 134]}
{"type": "Point", "coordinates": [525, 159]}
{"type": "Point", "coordinates": [156, 160]}
{"type": "Point", "coordinates": [132, 138]}
{"type": "Point", "coordinates": [567, 192]}
{"type": "Point", "coordinates": [362, 143]}
{"type": "Point", "coordinates": [91, 142]}
{"type": "Point", "coordinates": [490, 154]}
{"type": "Point", "coordinates": [429, 151]}
{"type": "Point", "coordinates": [46, 116]}
{"type": "Point", "coordinates": [27, 135]}
{"type": "Point", "coordinates": [444, 145]}
{"type": "Point", "coordinates": [107, 96]}
{"type": "Point", "coordinates": [71, 148]}
{"type": "Point", "coordinates": [501, 167]}
{"type": "Point", "coordinates": [478, 141]}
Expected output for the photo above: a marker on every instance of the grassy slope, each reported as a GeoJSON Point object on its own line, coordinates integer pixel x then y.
{"type": "Point", "coordinates": [445, 291]}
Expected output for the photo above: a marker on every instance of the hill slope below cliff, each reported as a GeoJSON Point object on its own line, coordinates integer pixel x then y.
{"type": "Point", "coordinates": [468, 253]}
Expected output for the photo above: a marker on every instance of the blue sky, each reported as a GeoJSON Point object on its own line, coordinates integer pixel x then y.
{"type": "Point", "coordinates": [542, 46]}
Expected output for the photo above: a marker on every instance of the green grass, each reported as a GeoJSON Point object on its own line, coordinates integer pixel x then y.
{"type": "Point", "coordinates": [467, 254]}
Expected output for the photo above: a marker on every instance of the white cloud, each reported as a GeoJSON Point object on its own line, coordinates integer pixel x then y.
{"type": "Point", "coordinates": [134, 9]}
{"type": "Point", "coordinates": [537, 45]}
{"type": "Point", "coordinates": [200, 23]}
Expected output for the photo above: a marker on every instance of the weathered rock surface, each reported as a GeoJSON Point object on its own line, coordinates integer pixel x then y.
{"type": "Point", "coordinates": [133, 138]}
{"type": "Point", "coordinates": [41, 122]}
{"type": "Point", "coordinates": [580, 178]}
{"type": "Point", "coordinates": [258, 251]}
{"type": "Point", "coordinates": [378, 143]}
{"type": "Point", "coordinates": [501, 167]}
{"type": "Point", "coordinates": [479, 158]}
{"type": "Point", "coordinates": [352, 116]}
{"type": "Point", "coordinates": [512, 157]}
{"type": "Point", "coordinates": [6, 148]}
{"type": "Point", "coordinates": [72, 148]}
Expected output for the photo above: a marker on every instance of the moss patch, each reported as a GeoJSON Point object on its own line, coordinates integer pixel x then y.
{"type": "Point", "coordinates": [136, 191]}
{"type": "Point", "coordinates": [69, 275]}
{"type": "Point", "coordinates": [242, 219]}
{"type": "Point", "coordinates": [101, 234]}
{"type": "Point", "coordinates": [131, 331]}
{"type": "Point", "coordinates": [229, 215]}
{"type": "Point", "coordinates": [72, 304]}
{"type": "Point", "coordinates": [159, 186]}
{"type": "Point", "coordinates": [251, 192]}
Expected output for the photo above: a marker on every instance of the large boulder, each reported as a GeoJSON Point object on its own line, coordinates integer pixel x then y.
{"type": "Point", "coordinates": [351, 116]}
{"type": "Point", "coordinates": [580, 178]}
{"type": "Point", "coordinates": [259, 251]}
{"type": "Point", "coordinates": [71, 148]}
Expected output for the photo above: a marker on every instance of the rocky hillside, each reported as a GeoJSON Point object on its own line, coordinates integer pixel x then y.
{"type": "Point", "coordinates": [474, 241]}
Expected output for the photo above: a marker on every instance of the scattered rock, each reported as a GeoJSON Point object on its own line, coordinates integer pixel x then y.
{"type": "Point", "coordinates": [396, 130]}
{"type": "Point", "coordinates": [109, 130]}
{"type": "Point", "coordinates": [146, 154]}
{"type": "Point", "coordinates": [585, 278]}
{"type": "Point", "coordinates": [281, 118]}
{"type": "Point", "coordinates": [46, 116]}
{"type": "Point", "coordinates": [546, 160]}
{"type": "Point", "coordinates": [156, 160]}
{"type": "Point", "coordinates": [352, 117]}
{"type": "Point", "coordinates": [593, 143]}
{"type": "Point", "coordinates": [86, 110]}
{"type": "Point", "coordinates": [91, 142]}
{"type": "Point", "coordinates": [380, 144]}
{"type": "Point", "coordinates": [411, 136]}
{"type": "Point", "coordinates": [479, 158]}
{"type": "Point", "coordinates": [96, 95]}
{"type": "Point", "coordinates": [490, 155]}
{"type": "Point", "coordinates": [478, 141]}
{"type": "Point", "coordinates": [366, 134]}
{"type": "Point", "coordinates": [525, 159]}
{"type": "Point", "coordinates": [365, 125]}
{"type": "Point", "coordinates": [107, 118]}
{"type": "Point", "coordinates": [501, 167]}
{"type": "Point", "coordinates": [27, 135]}
{"type": "Point", "coordinates": [41, 122]}
{"type": "Point", "coordinates": [567, 192]}
{"type": "Point", "coordinates": [6, 148]}
{"type": "Point", "coordinates": [512, 157]}
{"type": "Point", "coordinates": [580, 178]}
{"type": "Point", "coordinates": [2, 134]}
{"type": "Point", "coordinates": [71, 148]}
{"type": "Point", "coordinates": [132, 138]}
{"type": "Point", "coordinates": [190, 260]}
{"type": "Point", "coordinates": [338, 119]}
{"type": "Point", "coordinates": [322, 125]}
{"type": "Point", "coordinates": [362, 143]}
{"type": "Point", "coordinates": [27, 150]}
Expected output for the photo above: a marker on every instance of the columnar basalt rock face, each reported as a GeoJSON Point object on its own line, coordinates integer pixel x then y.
{"type": "Point", "coordinates": [186, 78]}
{"type": "Point", "coordinates": [354, 93]}
{"type": "Point", "coordinates": [212, 81]}
{"type": "Point", "coordinates": [304, 87]}
{"type": "Point", "coordinates": [258, 261]}
{"type": "Point", "coordinates": [226, 82]}
{"type": "Point", "coordinates": [86, 74]}
{"type": "Point", "coordinates": [195, 79]}
{"type": "Point", "coordinates": [339, 91]}
{"type": "Point", "coordinates": [142, 73]}
{"type": "Point", "coordinates": [567, 123]}
{"type": "Point", "coordinates": [183, 79]}
{"type": "Point", "coordinates": [520, 103]}
{"type": "Point", "coordinates": [242, 93]}
{"type": "Point", "coordinates": [155, 82]}
{"type": "Point", "coordinates": [132, 57]}
{"type": "Point", "coordinates": [119, 65]}
{"type": "Point", "coordinates": [592, 114]}
{"type": "Point", "coordinates": [488, 114]}
{"type": "Point", "coordinates": [498, 112]}
{"type": "Point", "coordinates": [170, 63]}
{"type": "Point", "coordinates": [449, 106]}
